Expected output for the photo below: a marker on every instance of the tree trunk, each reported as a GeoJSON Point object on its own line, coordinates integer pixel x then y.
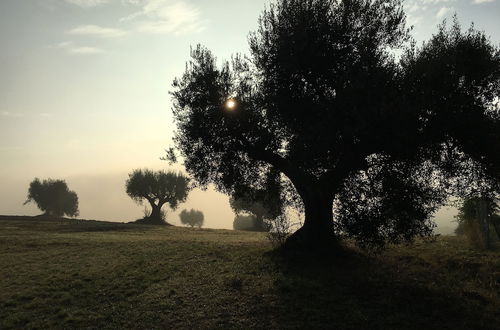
{"type": "Point", "coordinates": [495, 221]}
{"type": "Point", "coordinates": [484, 223]}
{"type": "Point", "coordinates": [318, 232]}
{"type": "Point", "coordinates": [155, 216]}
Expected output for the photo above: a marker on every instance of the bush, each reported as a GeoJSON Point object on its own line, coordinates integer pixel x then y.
{"type": "Point", "coordinates": [281, 228]}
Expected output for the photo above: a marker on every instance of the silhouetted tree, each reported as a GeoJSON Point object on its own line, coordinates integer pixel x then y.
{"type": "Point", "coordinates": [324, 100]}
{"type": "Point", "coordinates": [53, 197]}
{"type": "Point", "coordinates": [158, 188]}
{"type": "Point", "coordinates": [193, 218]}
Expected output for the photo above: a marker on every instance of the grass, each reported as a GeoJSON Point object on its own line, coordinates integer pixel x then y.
{"type": "Point", "coordinates": [87, 274]}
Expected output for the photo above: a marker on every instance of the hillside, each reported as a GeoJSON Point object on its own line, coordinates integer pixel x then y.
{"type": "Point", "coordinates": [88, 274]}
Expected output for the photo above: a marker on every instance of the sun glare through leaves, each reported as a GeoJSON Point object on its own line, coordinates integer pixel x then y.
{"type": "Point", "coordinates": [231, 104]}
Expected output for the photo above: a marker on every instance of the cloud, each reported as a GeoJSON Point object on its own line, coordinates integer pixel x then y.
{"type": "Point", "coordinates": [166, 17]}
{"type": "Point", "coordinates": [436, 1]}
{"type": "Point", "coordinates": [97, 31]}
{"type": "Point", "coordinates": [478, 2]}
{"type": "Point", "coordinates": [87, 3]}
{"type": "Point", "coordinates": [443, 12]}
{"type": "Point", "coordinates": [85, 51]}
{"type": "Point", "coordinates": [10, 148]}
{"type": "Point", "coordinates": [134, 2]}
{"type": "Point", "coordinates": [19, 114]}
{"type": "Point", "coordinates": [11, 114]}
{"type": "Point", "coordinates": [71, 48]}
{"type": "Point", "coordinates": [413, 20]}
{"type": "Point", "coordinates": [64, 44]}
{"type": "Point", "coordinates": [414, 6]}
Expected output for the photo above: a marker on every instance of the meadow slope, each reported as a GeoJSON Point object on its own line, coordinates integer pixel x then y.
{"type": "Point", "coordinates": [88, 274]}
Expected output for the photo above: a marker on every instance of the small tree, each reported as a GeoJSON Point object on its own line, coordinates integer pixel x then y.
{"type": "Point", "coordinates": [158, 188]}
{"type": "Point", "coordinates": [193, 218]}
{"type": "Point", "coordinates": [53, 197]}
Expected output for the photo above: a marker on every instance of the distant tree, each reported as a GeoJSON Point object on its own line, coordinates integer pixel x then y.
{"type": "Point", "coordinates": [246, 223]}
{"type": "Point", "coordinates": [263, 204]}
{"type": "Point", "coordinates": [158, 188]}
{"type": "Point", "coordinates": [323, 100]}
{"type": "Point", "coordinates": [193, 218]}
{"type": "Point", "coordinates": [476, 217]}
{"type": "Point", "coordinates": [53, 197]}
{"type": "Point", "coordinates": [256, 209]}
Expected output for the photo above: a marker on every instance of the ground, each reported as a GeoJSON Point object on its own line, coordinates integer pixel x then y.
{"type": "Point", "coordinates": [85, 274]}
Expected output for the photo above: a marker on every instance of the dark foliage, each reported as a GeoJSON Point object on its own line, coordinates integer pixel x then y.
{"type": "Point", "coordinates": [53, 197]}
{"type": "Point", "coordinates": [158, 188]}
{"type": "Point", "coordinates": [323, 100]}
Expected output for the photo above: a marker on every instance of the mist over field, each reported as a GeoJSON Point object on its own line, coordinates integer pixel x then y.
{"type": "Point", "coordinates": [102, 197]}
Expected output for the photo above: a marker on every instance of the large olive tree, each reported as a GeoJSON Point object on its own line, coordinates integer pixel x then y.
{"type": "Point", "coordinates": [373, 143]}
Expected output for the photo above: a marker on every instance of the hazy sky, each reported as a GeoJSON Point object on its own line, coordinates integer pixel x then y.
{"type": "Point", "coordinates": [84, 88]}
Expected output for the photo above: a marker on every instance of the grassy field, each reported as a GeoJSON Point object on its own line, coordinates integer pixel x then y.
{"type": "Point", "coordinates": [77, 274]}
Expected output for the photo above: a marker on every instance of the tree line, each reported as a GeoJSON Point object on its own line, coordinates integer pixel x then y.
{"type": "Point", "coordinates": [157, 188]}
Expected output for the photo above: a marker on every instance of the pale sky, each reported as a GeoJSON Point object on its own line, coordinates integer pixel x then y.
{"type": "Point", "coordinates": [84, 89]}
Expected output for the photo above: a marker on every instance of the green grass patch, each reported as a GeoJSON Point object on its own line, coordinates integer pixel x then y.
{"type": "Point", "coordinates": [78, 274]}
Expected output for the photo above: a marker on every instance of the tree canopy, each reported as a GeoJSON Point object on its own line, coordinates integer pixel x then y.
{"type": "Point", "coordinates": [158, 188]}
{"type": "Point", "coordinates": [372, 143]}
{"type": "Point", "coordinates": [53, 197]}
{"type": "Point", "coordinates": [192, 218]}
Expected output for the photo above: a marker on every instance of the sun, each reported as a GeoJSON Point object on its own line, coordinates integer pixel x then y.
{"type": "Point", "coordinates": [231, 104]}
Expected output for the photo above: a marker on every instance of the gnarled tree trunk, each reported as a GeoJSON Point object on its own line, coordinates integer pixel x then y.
{"type": "Point", "coordinates": [318, 230]}
{"type": "Point", "coordinates": [155, 217]}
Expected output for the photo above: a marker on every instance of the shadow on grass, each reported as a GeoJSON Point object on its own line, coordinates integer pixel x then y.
{"type": "Point", "coordinates": [355, 291]}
